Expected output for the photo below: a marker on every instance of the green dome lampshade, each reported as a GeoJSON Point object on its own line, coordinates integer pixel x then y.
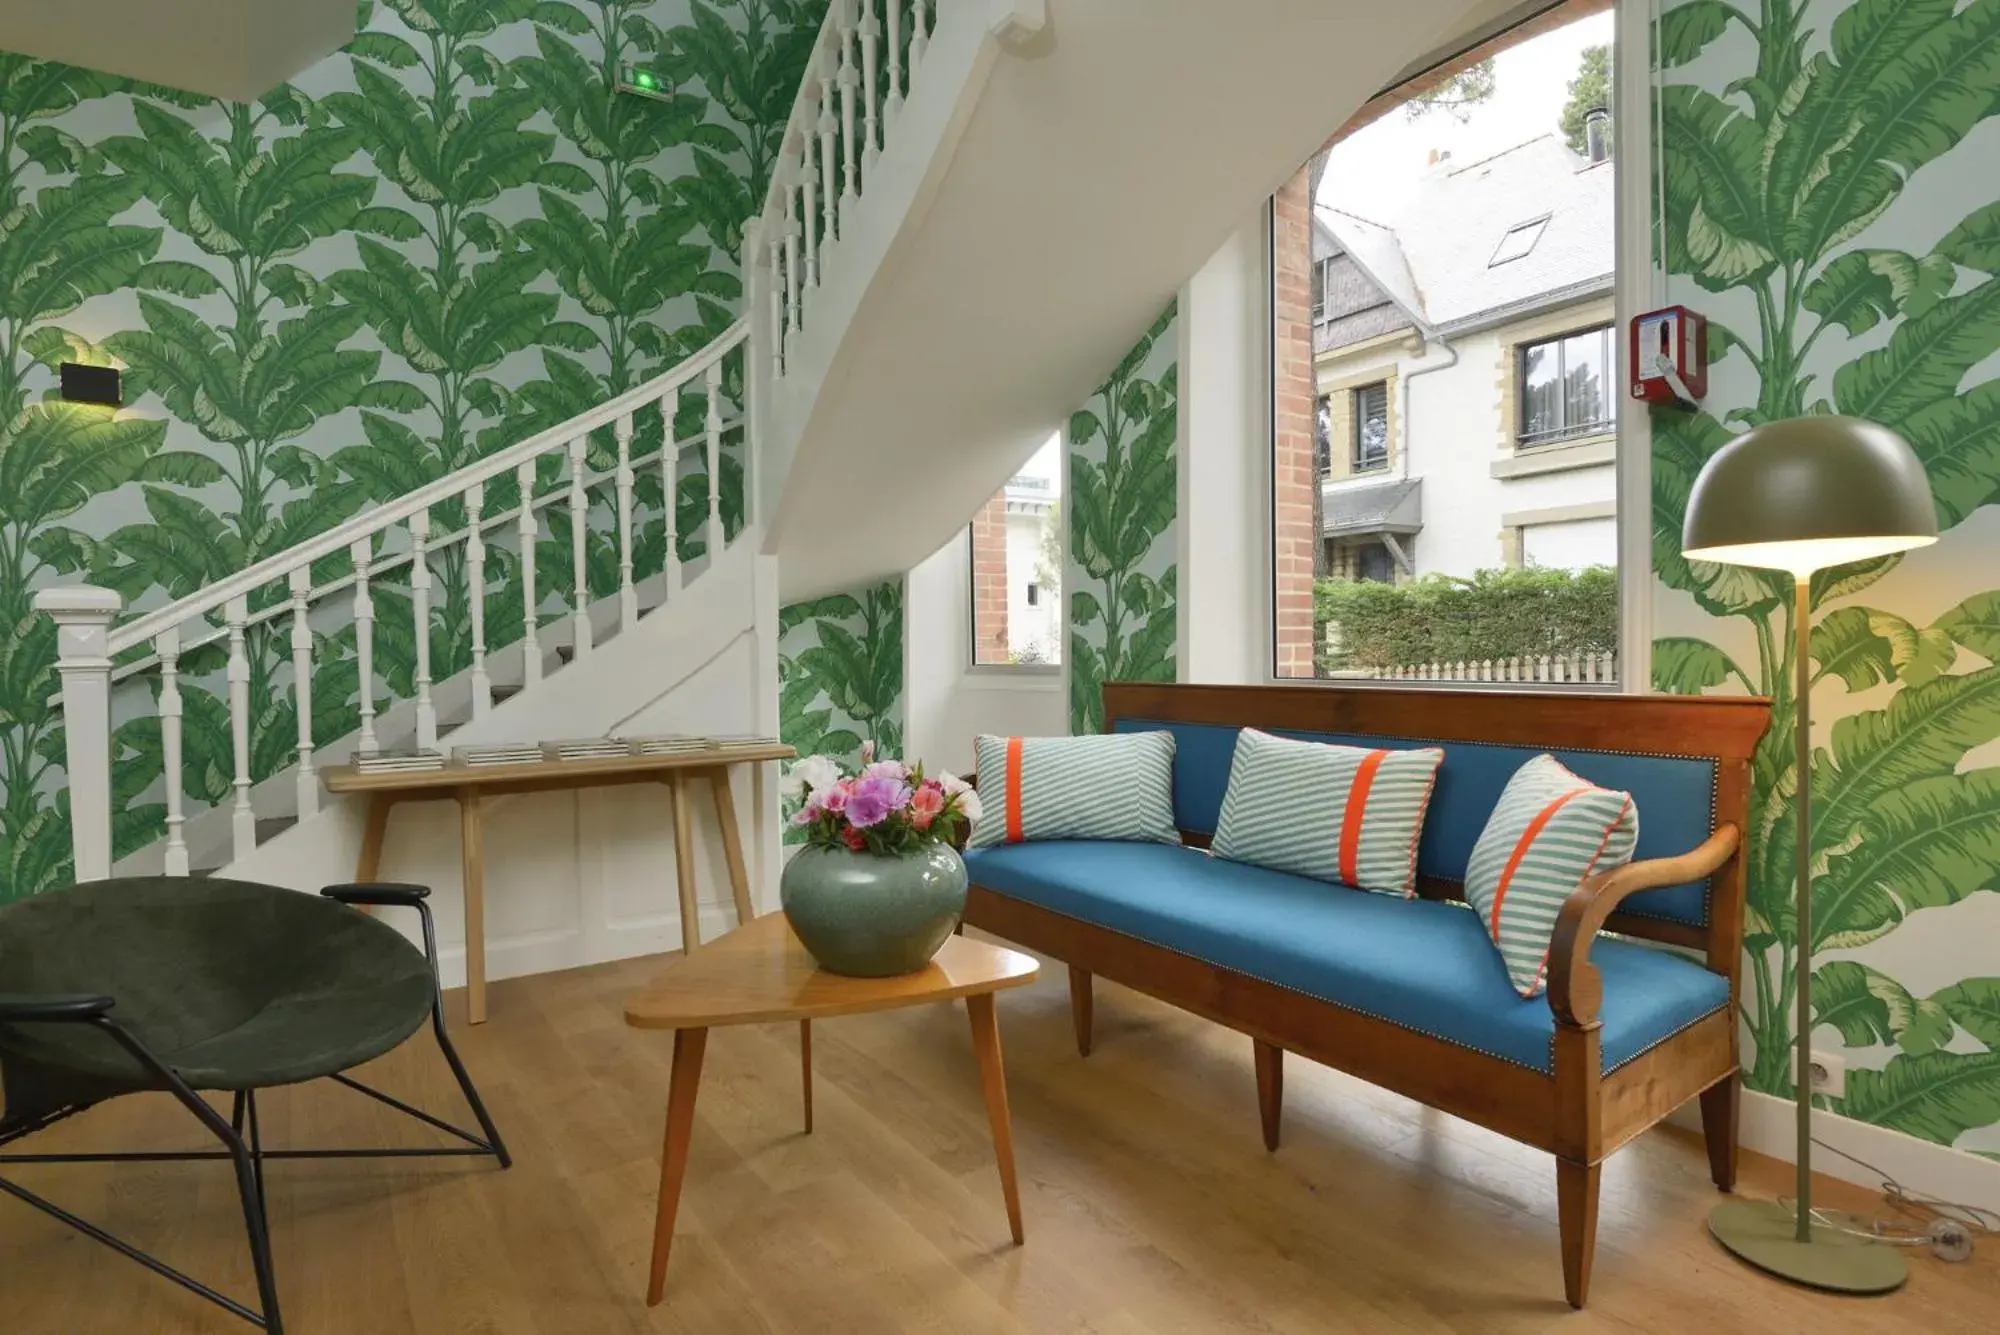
{"type": "Point", "coordinates": [1808, 493]}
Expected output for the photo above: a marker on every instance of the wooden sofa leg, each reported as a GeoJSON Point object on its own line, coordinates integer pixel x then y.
{"type": "Point", "coordinates": [1080, 1013]}
{"type": "Point", "coordinates": [1576, 1205]}
{"type": "Point", "coordinates": [1719, 1104]}
{"type": "Point", "coordinates": [1270, 1088]}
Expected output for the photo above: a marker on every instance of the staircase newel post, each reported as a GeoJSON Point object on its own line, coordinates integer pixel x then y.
{"type": "Point", "coordinates": [242, 814]}
{"type": "Point", "coordinates": [362, 552]}
{"type": "Point", "coordinates": [579, 533]}
{"type": "Point", "coordinates": [670, 458]}
{"type": "Point", "coordinates": [718, 536]}
{"type": "Point", "coordinates": [167, 644]}
{"type": "Point", "coordinates": [83, 617]}
{"type": "Point", "coordinates": [306, 782]}
{"type": "Point", "coordinates": [475, 589]}
{"type": "Point", "coordinates": [529, 529]}
{"type": "Point", "coordinates": [420, 615]}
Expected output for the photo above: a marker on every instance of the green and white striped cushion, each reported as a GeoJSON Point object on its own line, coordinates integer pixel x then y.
{"type": "Point", "coordinates": [1550, 832]}
{"type": "Point", "coordinates": [1337, 813]}
{"type": "Point", "coordinates": [1113, 786]}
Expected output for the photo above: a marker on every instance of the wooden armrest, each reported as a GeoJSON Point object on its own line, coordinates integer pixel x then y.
{"type": "Point", "coordinates": [1576, 989]}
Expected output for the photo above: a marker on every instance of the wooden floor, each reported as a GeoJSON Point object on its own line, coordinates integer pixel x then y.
{"type": "Point", "coordinates": [1151, 1204]}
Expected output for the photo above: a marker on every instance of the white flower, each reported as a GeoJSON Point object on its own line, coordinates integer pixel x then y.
{"type": "Point", "coordinates": [968, 797]}
{"type": "Point", "coordinates": [813, 774]}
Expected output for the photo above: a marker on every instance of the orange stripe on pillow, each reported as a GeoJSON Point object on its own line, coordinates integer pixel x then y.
{"type": "Point", "coordinates": [1014, 748]}
{"type": "Point", "coordinates": [1526, 842]}
{"type": "Point", "coordinates": [1357, 806]}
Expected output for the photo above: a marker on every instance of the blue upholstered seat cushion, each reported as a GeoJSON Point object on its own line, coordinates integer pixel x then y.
{"type": "Point", "coordinates": [1422, 964]}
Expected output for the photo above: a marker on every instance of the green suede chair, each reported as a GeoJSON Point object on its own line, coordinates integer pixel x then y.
{"type": "Point", "coordinates": [166, 983]}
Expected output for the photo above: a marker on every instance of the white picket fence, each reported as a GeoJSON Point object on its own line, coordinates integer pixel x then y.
{"type": "Point", "coordinates": [1563, 669]}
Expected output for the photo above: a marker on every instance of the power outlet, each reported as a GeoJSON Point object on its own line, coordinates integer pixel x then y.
{"type": "Point", "coordinates": [1828, 1072]}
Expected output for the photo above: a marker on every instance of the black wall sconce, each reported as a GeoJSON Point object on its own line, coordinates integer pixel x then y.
{"type": "Point", "coordinates": [90, 384]}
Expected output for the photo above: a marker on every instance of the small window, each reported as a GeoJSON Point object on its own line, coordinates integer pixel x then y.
{"type": "Point", "coordinates": [1520, 239]}
{"type": "Point", "coordinates": [1373, 564]}
{"type": "Point", "coordinates": [1371, 427]}
{"type": "Point", "coordinates": [1017, 558]}
{"type": "Point", "coordinates": [1565, 387]}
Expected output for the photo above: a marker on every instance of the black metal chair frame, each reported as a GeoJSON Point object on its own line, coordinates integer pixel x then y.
{"type": "Point", "coordinates": [248, 1157]}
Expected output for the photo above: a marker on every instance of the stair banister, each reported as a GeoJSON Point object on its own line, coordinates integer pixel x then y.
{"type": "Point", "coordinates": [83, 661]}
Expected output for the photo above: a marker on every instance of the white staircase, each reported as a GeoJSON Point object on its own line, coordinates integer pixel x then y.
{"type": "Point", "coordinates": [978, 206]}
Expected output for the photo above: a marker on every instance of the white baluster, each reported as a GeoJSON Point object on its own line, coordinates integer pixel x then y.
{"type": "Point", "coordinates": [420, 615]}
{"type": "Point", "coordinates": [780, 328]}
{"type": "Point", "coordinates": [579, 530]}
{"type": "Point", "coordinates": [242, 816]}
{"type": "Point", "coordinates": [305, 780]}
{"type": "Point", "coordinates": [628, 594]}
{"type": "Point", "coordinates": [895, 102]}
{"type": "Point", "coordinates": [792, 312]}
{"type": "Point", "coordinates": [809, 203]}
{"type": "Point", "coordinates": [829, 129]}
{"type": "Point", "coordinates": [364, 646]}
{"type": "Point", "coordinates": [475, 590]}
{"type": "Point", "coordinates": [531, 644]}
{"type": "Point", "coordinates": [670, 458]}
{"type": "Point", "coordinates": [851, 185]}
{"type": "Point", "coordinates": [871, 138]}
{"type": "Point", "coordinates": [167, 644]}
{"type": "Point", "coordinates": [919, 39]}
{"type": "Point", "coordinates": [83, 660]}
{"type": "Point", "coordinates": [717, 538]}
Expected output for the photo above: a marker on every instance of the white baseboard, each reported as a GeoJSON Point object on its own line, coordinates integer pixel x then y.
{"type": "Point", "coordinates": [1769, 1126]}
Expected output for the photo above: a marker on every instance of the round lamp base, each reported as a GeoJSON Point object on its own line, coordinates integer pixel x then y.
{"type": "Point", "coordinates": [1765, 1233]}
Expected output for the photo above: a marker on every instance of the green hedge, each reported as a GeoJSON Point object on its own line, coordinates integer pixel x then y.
{"type": "Point", "coordinates": [1446, 619]}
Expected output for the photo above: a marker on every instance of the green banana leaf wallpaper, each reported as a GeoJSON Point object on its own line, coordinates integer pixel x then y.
{"type": "Point", "coordinates": [1123, 496]}
{"type": "Point", "coordinates": [840, 674]}
{"type": "Point", "coordinates": [1830, 203]}
{"type": "Point", "coordinates": [428, 246]}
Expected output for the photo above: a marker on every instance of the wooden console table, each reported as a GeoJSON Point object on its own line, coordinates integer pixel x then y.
{"type": "Point", "coordinates": [468, 784]}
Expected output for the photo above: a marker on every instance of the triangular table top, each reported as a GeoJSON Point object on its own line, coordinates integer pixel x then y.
{"type": "Point", "coordinates": [759, 973]}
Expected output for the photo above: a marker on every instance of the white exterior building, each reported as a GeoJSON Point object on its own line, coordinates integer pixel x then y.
{"type": "Point", "coordinates": [1466, 370]}
{"type": "Point", "coordinates": [1034, 593]}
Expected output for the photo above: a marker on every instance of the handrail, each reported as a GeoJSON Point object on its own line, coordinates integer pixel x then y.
{"type": "Point", "coordinates": [493, 519]}
{"type": "Point", "coordinates": [371, 522]}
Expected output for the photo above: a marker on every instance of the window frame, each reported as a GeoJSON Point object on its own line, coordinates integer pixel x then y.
{"type": "Point", "coordinates": [972, 663]}
{"type": "Point", "coordinates": [1357, 466]}
{"type": "Point", "coordinates": [1565, 434]}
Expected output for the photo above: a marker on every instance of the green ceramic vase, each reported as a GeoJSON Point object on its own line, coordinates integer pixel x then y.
{"type": "Point", "coordinates": [873, 917]}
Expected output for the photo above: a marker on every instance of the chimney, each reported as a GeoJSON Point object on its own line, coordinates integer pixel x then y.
{"type": "Point", "coordinates": [1439, 162]}
{"type": "Point", "coordinates": [1597, 134]}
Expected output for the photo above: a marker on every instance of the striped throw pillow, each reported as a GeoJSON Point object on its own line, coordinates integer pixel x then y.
{"type": "Point", "coordinates": [1115, 786]}
{"type": "Point", "coordinates": [1551, 832]}
{"type": "Point", "coordinates": [1336, 813]}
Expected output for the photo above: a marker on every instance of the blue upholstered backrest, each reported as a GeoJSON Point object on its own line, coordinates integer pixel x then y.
{"type": "Point", "coordinates": [1675, 796]}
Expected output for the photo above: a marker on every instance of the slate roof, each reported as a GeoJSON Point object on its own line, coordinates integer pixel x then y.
{"type": "Point", "coordinates": [1435, 260]}
{"type": "Point", "coordinates": [1395, 507]}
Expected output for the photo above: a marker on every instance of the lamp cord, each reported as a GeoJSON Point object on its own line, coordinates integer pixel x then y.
{"type": "Point", "coordinates": [1946, 1227]}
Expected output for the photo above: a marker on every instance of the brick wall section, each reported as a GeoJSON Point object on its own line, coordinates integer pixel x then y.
{"type": "Point", "coordinates": [1294, 471]}
{"type": "Point", "coordinates": [989, 582]}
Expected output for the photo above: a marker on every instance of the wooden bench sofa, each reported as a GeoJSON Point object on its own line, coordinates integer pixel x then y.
{"type": "Point", "coordinates": [1408, 995]}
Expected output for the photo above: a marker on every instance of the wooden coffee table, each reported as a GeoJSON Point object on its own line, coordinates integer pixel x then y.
{"type": "Point", "coordinates": [760, 974]}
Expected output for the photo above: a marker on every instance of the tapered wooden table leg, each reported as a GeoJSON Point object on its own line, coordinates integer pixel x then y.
{"type": "Point", "coordinates": [806, 1068]}
{"type": "Point", "coordinates": [993, 1080]}
{"type": "Point", "coordinates": [732, 842]}
{"type": "Point", "coordinates": [472, 851]}
{"type": "Point", "coordinates": [684, 863]}
{"type": "Point", "coordinates": [369, 865]}
{"type": "Point", "coordinates": [689, 1044]}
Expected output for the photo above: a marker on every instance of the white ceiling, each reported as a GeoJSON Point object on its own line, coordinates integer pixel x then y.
{"type": "Point", "coordinates": [235, 49]}
{"type": "Point", "coordinates": [1094, 176]}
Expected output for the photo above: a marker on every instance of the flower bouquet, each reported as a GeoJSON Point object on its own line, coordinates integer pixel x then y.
{"type": "Point", "coordinates": [885, 807]}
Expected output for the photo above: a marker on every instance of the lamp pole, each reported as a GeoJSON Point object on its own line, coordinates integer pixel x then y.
{"type": "Point", "coordinates": [1802, 811]}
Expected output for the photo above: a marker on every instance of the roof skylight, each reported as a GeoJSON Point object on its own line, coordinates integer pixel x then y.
{"type": "Point", "coordinates": [1520, 239]}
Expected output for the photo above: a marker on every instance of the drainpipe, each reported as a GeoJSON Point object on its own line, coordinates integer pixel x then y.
{"type": "Point", "coordinates": [1403, 394]}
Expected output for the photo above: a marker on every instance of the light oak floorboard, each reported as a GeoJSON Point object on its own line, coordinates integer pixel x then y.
{"type": "Point", "coordinates": [1151, 1205]}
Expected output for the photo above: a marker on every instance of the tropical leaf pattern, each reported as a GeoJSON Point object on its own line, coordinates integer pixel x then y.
{"type": "Point", "coordinates": [840, 674]}
{"type": "Point", "coordinates": [445, 237]}
{"type": "Point", "coordinates": [1123, 497]}
{"type": "Point", "coordinates": [1812, 151]}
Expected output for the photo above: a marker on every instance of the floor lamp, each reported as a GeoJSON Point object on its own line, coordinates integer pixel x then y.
{"type": "Point", "coordinates": [1799, 496]}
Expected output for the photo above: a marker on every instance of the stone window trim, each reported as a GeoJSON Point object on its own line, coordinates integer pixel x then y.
{"type": "Point", "coordinates": [1338, 395]}
{"type": "Point", "coordinates": [1515, 523]}
{"type": "Point", "coordinates": [1574, 318]}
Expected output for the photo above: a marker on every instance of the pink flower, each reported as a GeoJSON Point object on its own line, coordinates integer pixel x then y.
{"type": "Point", "coordinates": [868, 752]}
{"type": "Point", "coordinates": [887, 769]}
{"type": "Point", "coordinates": [807, 814]}
{"type": "Point", "coordinates": [925, 805]}
{"type": "Point", "coordinates": [834, 799]}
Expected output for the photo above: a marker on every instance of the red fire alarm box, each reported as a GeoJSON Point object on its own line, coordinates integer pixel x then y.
{"type": "Point", "coordinates": [1670, 357]}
